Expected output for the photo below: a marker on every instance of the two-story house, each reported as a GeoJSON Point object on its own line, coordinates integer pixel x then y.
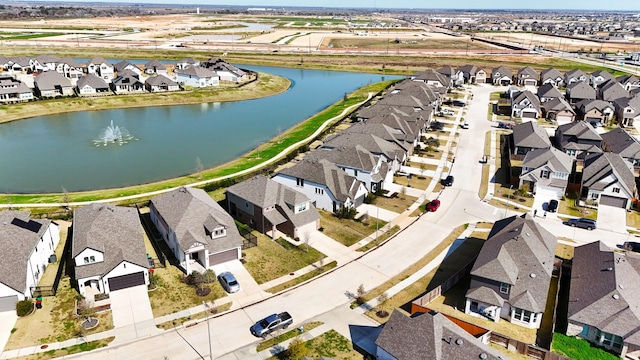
{"type": "Point", "coordinates": [525, 104]}
{"type": "Point", "coordinates": [547, 92]}
{"type": "Point", "coordinates": [529, 136]}
{"type": "Point", "coordinates": [558, 110]}
{"type": "Point", "coordinates": [501, 75]}
{"type": "Point", "coordinates": [511, 276]}
{"type": "Point", "coordinates": [26, 245]}
{"type": "Point", "coordinates": [578, 91]}
{"type": "Point", "coordinates": [578, 139]}
{"type": "Point", "coordinates": [575, 75]}
{"type": "Point", "coordinates": [473, 74]}
{"type": "Point", "coordinates": [13, 90]}
{"type": "Point", "coordinates": [595, 112]}
{"type": "Point", "coordinates": [196, 228]}
{"type": "Point", "coordinates": [324, 183]}
{"type": "Point", "coordinates": [267, 206]}
{"type": "Point", "coordinates": [527, 77]}
{"type": "Point", "coordinates": [599, 77]}
{"type": "Point", "coordinates": [551, 76]}
{"type": "Point", "coordinates": [102, 68]}
{"type": "Point", "coordinates": [608, 179]}
{"type": "Point", "coordinates": [546, 170]}
{"type": "Point", "coordinates": [627, 110]}
{"type": "Point", "coordinates": [108, 249]}
{"type": "Point", "coordinates": [619, 141]}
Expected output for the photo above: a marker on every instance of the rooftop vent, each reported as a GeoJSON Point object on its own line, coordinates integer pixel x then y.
{"type": "Point", "coordinates": [532, 275]}
{"type": "Point", "coordinates": [616, 296]}
{"type": "Point", "coordinates": [527, 234]}
{"type": "Point", "coordinates": [458, 341]}
{"type": "Point", "coordinates": [482, 356]}
{"type": "Point", "coordinates": [609, 269]}
{"type": "Point", "coordinates": [620, 286]}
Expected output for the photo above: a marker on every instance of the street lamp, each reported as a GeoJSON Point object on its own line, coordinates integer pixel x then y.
{"type": "Point", "coordinates": [508, 199]}
{"type": "Point", "coordinates": [208, 329]}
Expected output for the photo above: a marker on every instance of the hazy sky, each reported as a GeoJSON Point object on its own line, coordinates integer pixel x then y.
{"type": "Point", "coordinates": [425, 4]}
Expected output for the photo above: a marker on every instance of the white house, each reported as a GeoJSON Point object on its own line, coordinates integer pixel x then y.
{"type": "Point", "coordinates": [197, 230]}
{"type": "Point", "coordinates": [324, 183]}
{"type": "Point", "coordinates": [25, 246]}
{"type": "Point", "coordinates": [608, 179]}
{"type": "Point", "coordinates": [102, 68]}
{"type": "Point", "coordinates": [197, 76]}
{"type": "Point", "coordinates": [108, 249]}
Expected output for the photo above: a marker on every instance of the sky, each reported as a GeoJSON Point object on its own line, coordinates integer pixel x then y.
{"type": "Point", "coordinates": [625, 5]}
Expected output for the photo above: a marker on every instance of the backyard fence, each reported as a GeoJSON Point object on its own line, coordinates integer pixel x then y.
{"type": "Point", "coordinates": [520, 347]}
{"type": "Point", "coordinates": [424, 300]}
{"type": "Point", "coordinates": [248, 239]}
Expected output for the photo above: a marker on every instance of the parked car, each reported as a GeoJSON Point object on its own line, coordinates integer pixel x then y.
{"type": "Point", "coordinates": [458, 103]}
{"type": "Point", "coordinates": [448, 181]}
{"type": "Point", "coordinates": [552, 206]}
{"type": "Point", "coordinates": [505, 125]}
{"type": "Point", "coordinates": [270, 324]}
{"type": "Point", "coordinates": [583, 223]}
{"type": "Point", "coordinates": [464, 125]}
{"type": "Point", "coordinates": [229, 282]}
{"type": "Point", "coordinates": [631, 246]}
{"type": "Point", "coordinates": [433, 205]}
{"type": "Point", "coordinates": [436, 125]}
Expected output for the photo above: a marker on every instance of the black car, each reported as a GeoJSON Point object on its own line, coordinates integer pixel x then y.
{"type": "Point", "coordinates": [448, 181]}
{"type": "Point", "coordinates": [583, 223]}
{"type": "Point", "coordinates": [631, 246]}
{"type": "Point", "coordinates": [458, 103]}
{"type": "Point", "coordinates": [552, 206]}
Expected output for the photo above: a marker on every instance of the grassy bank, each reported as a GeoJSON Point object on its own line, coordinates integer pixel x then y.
{"type": "Point", "coordinates": [254, 158]}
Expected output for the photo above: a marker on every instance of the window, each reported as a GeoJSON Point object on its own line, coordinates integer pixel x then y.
{"type": "Point", "coordinates": [92, 258]}
{"type": "Point", "coordinates": [607, 339]}
{"type": "Point", "coordinates": [319, 191]}
{"type": "Point", "coordinates": [594, 196]}
{"type": "Point", "coordinates": [522, 315]}
{"type": "Point", "coordinates": [218, 232]}
{"type": "Point", "coordinates": [504, 288]}
{"type": "Point", "coordinates": [86, 259]}
{"type": "Point", "coordinates": [299, 182]}
{"type": "Point", "coordinates": [302, 207]}
{"type": "Point", "coordinates": [616, 190]}
{"type": "Point", "coordinates": [544, 174]}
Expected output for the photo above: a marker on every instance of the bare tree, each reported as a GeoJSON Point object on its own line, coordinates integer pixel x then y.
{"type": "Point", "coordinates": [306, 237]}
{"type": "Point", "coordinates": [65, 198]}
{"type": "Point", "coordinates": [199, 167]}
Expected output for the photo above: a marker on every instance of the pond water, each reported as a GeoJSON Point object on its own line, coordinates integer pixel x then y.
{"type": "Point", "coordinates": [47, 153]}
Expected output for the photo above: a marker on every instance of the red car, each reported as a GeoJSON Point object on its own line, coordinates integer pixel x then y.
{"type": "Point", "coordinates": [433, 205]}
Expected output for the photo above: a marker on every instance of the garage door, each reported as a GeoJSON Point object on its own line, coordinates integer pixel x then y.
{"type": "Point", "coordinates": [8, 303]}
{"type": "Point", "coordinates": [613, 201]}
{"type": "Point", "coordinates": [528, 114]}
{"type": "Point", "coordinates": [126, 281]}
{"type": "Point", "coordinates": [564, 119]}
{"type": "Point", "coordinates": [222, 257]}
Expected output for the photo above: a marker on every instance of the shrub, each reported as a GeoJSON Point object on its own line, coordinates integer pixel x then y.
{"type": "Point", "coordinates": [154, 280]}
{"type": "Point", "coordinates": [297, 349]}
{"type": "Point", "coordinates": [346, 212]}
{"type": "Point", "coordinates": [209, 276]}
{"type": "Point", "coordinates": [24, 307]}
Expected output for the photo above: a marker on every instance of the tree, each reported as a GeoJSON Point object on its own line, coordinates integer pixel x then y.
{"type": "Point", "coordinates": [360, 294]}
{"type": "Point", "coordinates": [199, 167]}
{"type": "Point", "coordinates": [306, 237]}
{"type": "Point", "coordinates": [297, 349]}
{"type": "Point", "coordinates": [382, 304]}
{"type": "Point", "coordinates": [65, 198]}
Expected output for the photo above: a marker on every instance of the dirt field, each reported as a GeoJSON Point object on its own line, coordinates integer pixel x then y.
{"type": "Point", "coordinates": [565, 44]}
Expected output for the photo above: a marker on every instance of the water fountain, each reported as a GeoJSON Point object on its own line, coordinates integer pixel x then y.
{"type": "Point", "coordinates": [113, 134]}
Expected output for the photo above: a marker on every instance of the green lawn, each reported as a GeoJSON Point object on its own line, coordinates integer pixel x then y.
{"type": "Point", "coordinates": [579, 349]}
{"type": "Point", "coordinates": [346, 231]}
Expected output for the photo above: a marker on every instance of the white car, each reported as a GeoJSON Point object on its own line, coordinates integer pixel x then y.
{"type": "Point", "coordinates": [464, 125]}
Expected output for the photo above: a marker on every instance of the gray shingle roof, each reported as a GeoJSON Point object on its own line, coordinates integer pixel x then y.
{"type": "Point", "coordinates": [9, 85]}
{"type": "Point", "coordinates": [324, 172]}
{"type": "Point", "coordinates": [98, 60]}
{"type": "Point", "coordinates": [531, 135]}
{"type": "Point", "coordinates": [516, 248]}
{"type": "Point", "coordinates": [528, 72]}
{"type": "Point", "coordinates": [71, 62]}
{"type": "Point", "coordinates": [581, 90]}
{"type": "Point", "coordinates": [557, 159]}
{"type": "Point", "coordinates": [550, 73]}
{"type": "Point", "coordinates": [50, 80]}
{"type": "Point", "coordinates": [612, 90]}
{"type": "Point", "coordinates": [355, 157]}
{"type": "Point", "coordinates": [557, 105]}
{"type": "Point", "coordinates": [598, 274]}
{"type": "Point", "coordinates": [528, 95]}
{"type": "Point", "coordinates": [155, 64]}
{"type": "Point", "coordinates": [92, 81]}
{"type": "Point", "coordinates": [576, 74]}
{"type": "Point", "coordinates": [549, 91]}
{"type": "Point", "coordinates": [115, 231]}
{"type": "Point", "coordinates": [18, 237]}
{"type": "Point", "coordinates": [603, 169]}
{"type": "Point", "coordinates": [384, 132]}
{"type": "Point", "coordinates": [580, 130]}
{"type": "Point", "coordinates": [619, 141]}
{"type": "Point", "coordinates": [197, 71]}
{"type": "Point", "coordinates": [160, 80]}
{"type": "Point", "coordinates": [430, 336]}
{"type": "Point", "coordinates": [373, 143]}
{"type": "Point", "coordinates": [501, 71]}
{"type": "Point", "coordinates": [186, 210]}
{"type": "Point", "coordinates": [431, 75]}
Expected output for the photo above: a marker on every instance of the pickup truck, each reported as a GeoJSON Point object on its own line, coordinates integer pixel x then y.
{"type": "Point", "coordinates": [270, 324]}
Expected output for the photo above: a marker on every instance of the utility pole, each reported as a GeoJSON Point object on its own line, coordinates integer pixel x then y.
{"type": "Point", "coordinates": [206, 313]}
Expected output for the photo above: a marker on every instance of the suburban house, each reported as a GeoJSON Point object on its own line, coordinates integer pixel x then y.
{"type": "Point", "coordinates": [160, 83]}
{"type": "Point", "coordinates": [51, 84]}
{"type": "Point", "coordinates": [267, 206]}
{"type": "Point", "coordinates": [627, 110]}
{"type": "Point", "coordinates": [13, 90]}
{"type": "Point", "coordinates": [197, 76]}
{"type": "Point", "coordinates": [392, 152]}
{"type": "Point", "coordinates": [108, 249]}
{"type": "Point", "coordinates": [611, 91]}
{"type": "Point", "coordinates": [70, 68]}
{"type": "Point", "coordinates": [26, 246]}
{"type": "Point", "coordinates": [528, 136]}
{"type": "Point", "coordinates": [90, 85]}
{"type": "Point", "coordinates": [405, 140]}
{"type": "Point", "coordinates": [431, 336]}
{"type": "Point", "coordinates": [186, 62]}
{"type": "Point", "coordinates": [155, 67]}
{"type": "Point", "coordinates": [603, 299]}
{"type": "Point", "coordinates": [578, 139]}
{"type": "Point", "coordinates": [595, 112]}
{"type": "Point", "coordinates": [608, 179]}
{"type": "Point", "coordinates": [525, 104]}
{"type": "Point", "coordinates": [501, 75]}
{"type": "Point", "coordinates": [431, 96]}
{"type": "Point", "coordinates": [558, 110]}
{"type": "Point", "coordinates": [18, 64]}
{"type": "Point", "coordinates": [125, 65]}
{"type": "Point", "coordinates": [102, 68]}
{"type": "Point", "coordinates": [372, 170]}
{"type": "Point", "coordinates": [456, 76]}
{"type": "Point", "coordinates": [579, 91]}
{"type": "Point", "coordinates": [527, 77]}
{"type": "Point", "coordinates": [325, 184]}
{"type": "Point", "coordinates": [226, 71]}
{"type": "Point", "coordinates": [546, 170]}
{"type": "Point", "coordinates": [599, 77]}
{"type": "Point", "coordinates": [511, 276]}
{"type": "Point", "coordinates": [551, 76]}
{"type": "Point", "coordinates": [547, 92]}
{"type": "Point", "coordinates": [126, 84]}
{"type": "Point", "coordinates": [196, 228]}
{"type": "Point", "coordinates": [575, 75]}
{"type": "Point", "coordinates": [432, 77]}
{"type": "Point", "coordinates": [473, 74]}
{"type": "Point", "coordinates": [619, 141]}
{"type": "Point", "coordinates": [44, 62]}
{"type": "Point", "coordinates": [629, 82]}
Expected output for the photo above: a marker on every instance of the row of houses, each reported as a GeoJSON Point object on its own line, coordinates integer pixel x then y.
{"type": "Point", "coordinates": [608, 163]}
{"type": "Point", "coordinates": [60, 77]}
{"type": "Point", "coordinates": [107, 245]}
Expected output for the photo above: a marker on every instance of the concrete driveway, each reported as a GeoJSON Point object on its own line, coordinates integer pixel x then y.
{"type": "Point", "coordinates": [541, 201]}
{"type": "Point", "coordinates": [249, 289]}
{"type": "Point", "coordinates": [7, 321]}
{"type": "Point", "coordinates": [612, 218]}
{"type": "Point", "coordinates": [131, 312]}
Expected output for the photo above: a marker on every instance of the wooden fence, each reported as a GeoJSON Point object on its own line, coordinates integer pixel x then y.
{"type": "Point", "coordinates": [520, 347]}
{"type": "Point", "coordinates": [424, 300]}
